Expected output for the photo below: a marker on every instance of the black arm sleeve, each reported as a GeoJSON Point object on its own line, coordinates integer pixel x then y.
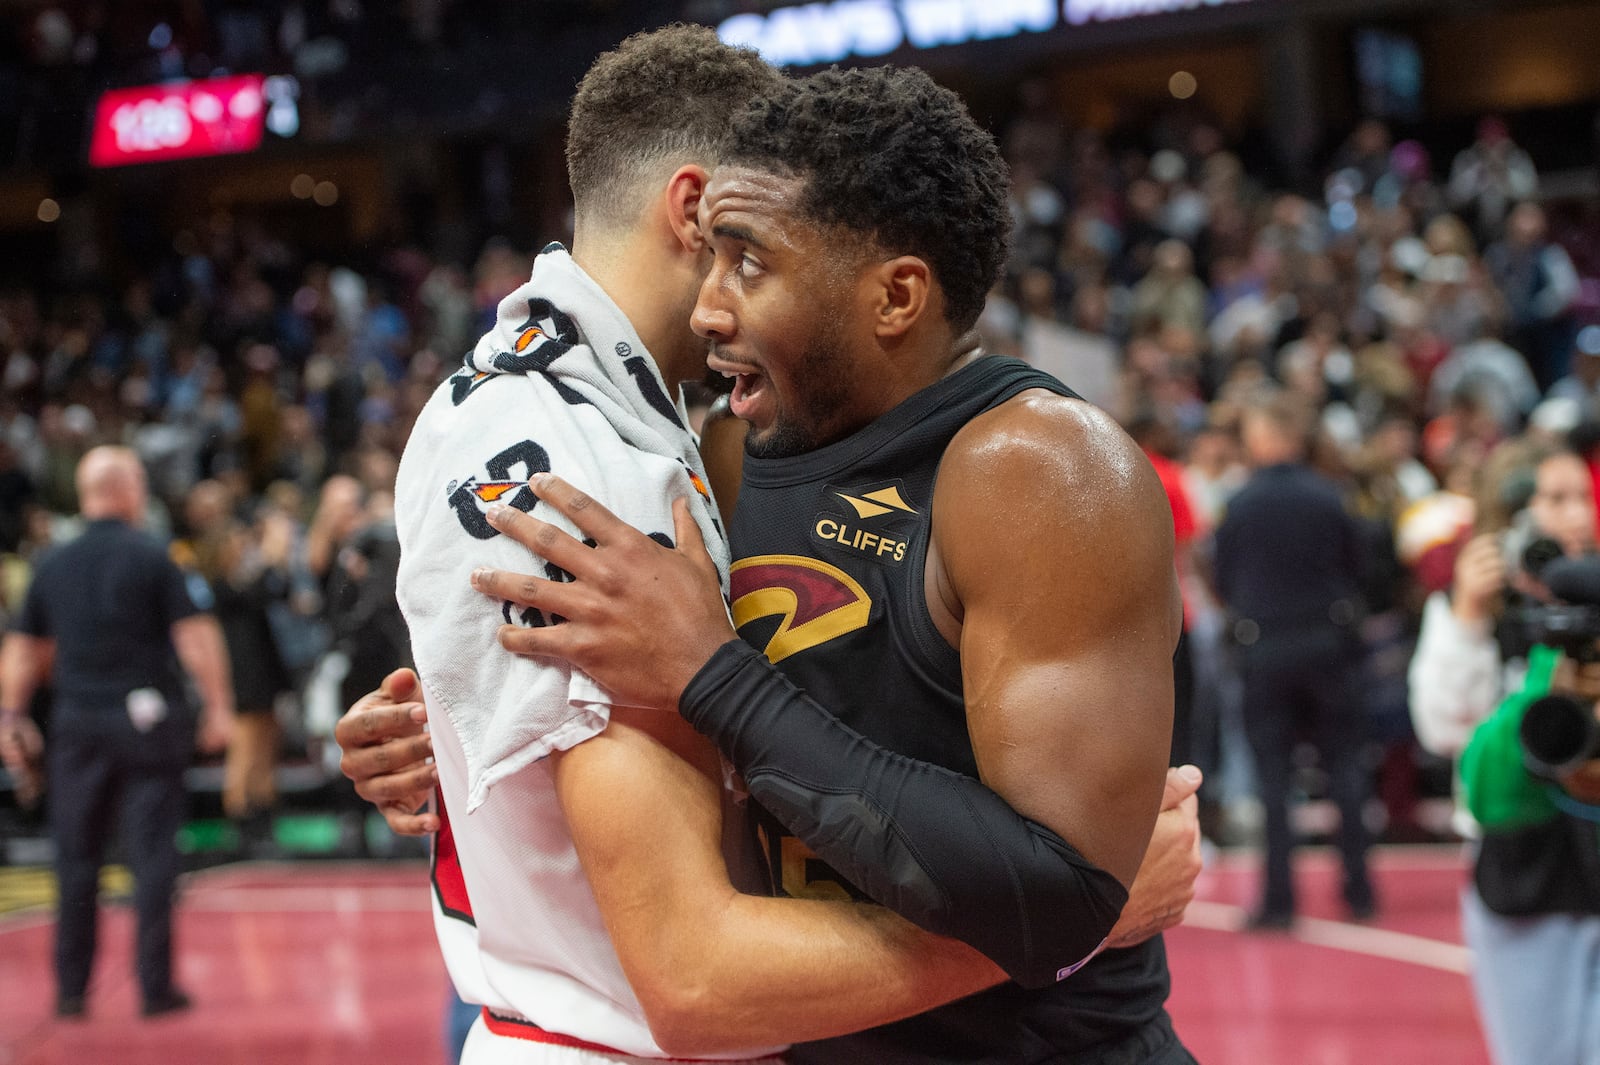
{"type": "Point", "coordinates": [937, 847]}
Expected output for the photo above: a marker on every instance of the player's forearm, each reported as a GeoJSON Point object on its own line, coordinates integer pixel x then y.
{"type": "Point", "coordinates": [714, 969]}
{"type": "Point", "coordinates": [936, 847]}
{"type": "Point", "coordinates": [204, 656]}
{"type": "Point", "coordinates": [765, 971]}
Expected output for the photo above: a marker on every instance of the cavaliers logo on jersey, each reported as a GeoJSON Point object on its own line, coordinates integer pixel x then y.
{"type": "Point", "coordinates": [813, 601]}
{"type": "Point", "coordinates": [507, 482]}
{"type": "Point", "coordinates": [874, 522]}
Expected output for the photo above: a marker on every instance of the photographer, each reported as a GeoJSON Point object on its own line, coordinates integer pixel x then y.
{"type": "Point", "coordinates": [1472, 652]}
{"type": "Point", "coordinates": [1531, 778]}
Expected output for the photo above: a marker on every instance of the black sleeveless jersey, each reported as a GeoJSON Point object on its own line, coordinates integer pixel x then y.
{"type": "Point", "coordinates": [828, 579]}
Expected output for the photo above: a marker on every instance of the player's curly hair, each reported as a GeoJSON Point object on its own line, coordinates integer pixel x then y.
{"type": "Point", "coordinates": [660, 99]}
{"type": "Point", "coordinates": [887, 153]}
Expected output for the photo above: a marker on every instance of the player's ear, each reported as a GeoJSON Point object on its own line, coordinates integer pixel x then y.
{"type": "Point", "coordinates": [682, 194]}
{"type": "Point", "coordinates": [902, 293]}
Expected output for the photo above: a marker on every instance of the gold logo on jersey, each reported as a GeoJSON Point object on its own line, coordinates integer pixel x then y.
{"type": "Point", "coordinates": [874, 526]}
{"type": "Point", "coordinates": [814, 602]}
{"type": "Point", "coordinates": [800, 874]}
{"type": "Point", "coordinates": [876, 504]}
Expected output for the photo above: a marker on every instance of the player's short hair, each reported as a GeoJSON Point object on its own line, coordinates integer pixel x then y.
{"type": "Point", "coordinates": [889, 154]}
{"type": "Point", "coordinates": [659, 100]}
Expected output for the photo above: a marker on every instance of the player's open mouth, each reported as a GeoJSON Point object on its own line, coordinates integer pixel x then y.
{"type": "Point", "coordinates": [749, 384]}
{"type": "Point", "coordinates": [747, 391]}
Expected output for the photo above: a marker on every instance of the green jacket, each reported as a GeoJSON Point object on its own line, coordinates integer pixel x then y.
{"type": "Point", "coordinates": [1500, 792]}
{"type": "Point", "coordinates": [1535, 857]}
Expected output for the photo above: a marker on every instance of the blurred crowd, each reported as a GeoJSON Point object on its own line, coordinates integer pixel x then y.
{"type": "Point", "coordinates": [1437, 317]}
{"type": "Point", "coordinates": [269, 399]}
{"type": "Point", "coordinates": [1428, 310]}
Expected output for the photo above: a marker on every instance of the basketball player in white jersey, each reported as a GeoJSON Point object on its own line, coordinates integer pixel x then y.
{"type": "Point", "coordinates": [545, 815]}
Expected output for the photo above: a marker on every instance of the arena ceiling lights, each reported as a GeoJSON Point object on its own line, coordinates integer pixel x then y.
{"type": "Point", "coordinates": [809, 34]}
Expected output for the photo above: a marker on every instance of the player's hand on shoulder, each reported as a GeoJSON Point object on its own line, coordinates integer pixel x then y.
{"type": "Point", "coordinates": [638, 617]}
{"type": "Point", "coordinates": [386, 752]}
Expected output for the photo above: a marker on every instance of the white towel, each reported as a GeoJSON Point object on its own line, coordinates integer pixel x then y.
{"type": "Point", "coordinates": [561, 383]}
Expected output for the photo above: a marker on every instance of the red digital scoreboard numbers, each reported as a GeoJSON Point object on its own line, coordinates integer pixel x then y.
{"type": "Point", "coordinates": [186, 120]}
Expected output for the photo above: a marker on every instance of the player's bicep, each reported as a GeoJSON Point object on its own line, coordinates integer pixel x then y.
{"type": "Point", "coordinates": [1070, 617]}
{"type": "Point", "coordinates": [1076, 742]}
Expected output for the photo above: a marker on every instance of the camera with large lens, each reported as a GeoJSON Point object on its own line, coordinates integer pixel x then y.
{"type": "Point", "coordinates": [1525, 549]}
{"type": "Point", "coordinates": [1570, 620]}
{"type": "Point", "coordinates": [1559, 731]}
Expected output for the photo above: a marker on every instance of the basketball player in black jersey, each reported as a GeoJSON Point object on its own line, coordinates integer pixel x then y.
{"type": "Point", "coordinates": [849, 586]}
{"type": "Point", "coordinates": [955, 556]}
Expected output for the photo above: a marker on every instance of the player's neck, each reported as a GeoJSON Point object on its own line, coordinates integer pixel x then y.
{"type": "Point", "coordinates": [963, 350]}
{"type": "Point", "coordinates": [926, 356]}
{"type": "Point", "coordinates": [652, 295]}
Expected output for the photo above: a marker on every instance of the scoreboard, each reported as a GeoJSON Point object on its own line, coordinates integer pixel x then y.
{"type": "Point", "coordinates": [184, 120]}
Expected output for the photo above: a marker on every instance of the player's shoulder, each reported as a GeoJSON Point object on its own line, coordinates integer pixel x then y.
{"type": "Point", "coordinates": [473, 414]}
{"type": "Point", "coordinates": [467, 392]}
{"type": "Point", "coordinates": [1040, 441]}
{"type": "Point", "coordinates": [1045, 491]}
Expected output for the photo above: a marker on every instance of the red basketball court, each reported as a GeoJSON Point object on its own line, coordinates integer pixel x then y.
{"type": "Point", "coordinates": [335, 964]}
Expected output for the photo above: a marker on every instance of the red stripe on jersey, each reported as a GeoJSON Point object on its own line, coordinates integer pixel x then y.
{"type": "Point", "coordinates": [448, 882]}
{"type": "Point", "coordinates": [520, 1028]}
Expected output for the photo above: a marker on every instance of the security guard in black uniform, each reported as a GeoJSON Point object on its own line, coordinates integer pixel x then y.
{"type": "Point", "coordinates": [1289, 567]}
{"type": "Point", "coordinates": [108, 619]}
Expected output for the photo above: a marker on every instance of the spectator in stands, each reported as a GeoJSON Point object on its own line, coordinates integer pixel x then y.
{"type": "Point", "coordinates": [260, 415]}
{"type": "Point", "coordinates": [17, 496]}
{"type": "Point", "coordinates": [1582, 385]}
{"type": "Point", "coordinates": [301, 459]}
{"type": "Point", "coordinates": [1367, 151]}
{"type": "Point", "coordinates": [1170, 294]}
{"type": "Point", "coordinates": [353, 547]}
{"type": "Point", "coordinates": [248, 571]}
{"type": "Point", "coordinates": [1492, 376]}
{"type": "Point", "coordinates": [380, 342]}
{"type": "Point", "coordinates": [1489, 176]}
{"type": "Point", "coordinates": [1537, 280]}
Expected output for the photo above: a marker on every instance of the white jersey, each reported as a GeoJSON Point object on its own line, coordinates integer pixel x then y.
{"type": "Point", "coordinates": [561, 384]}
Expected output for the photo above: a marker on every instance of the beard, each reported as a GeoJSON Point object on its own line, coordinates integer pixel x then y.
{"type": "Point", "coordinates": [813, 417]}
